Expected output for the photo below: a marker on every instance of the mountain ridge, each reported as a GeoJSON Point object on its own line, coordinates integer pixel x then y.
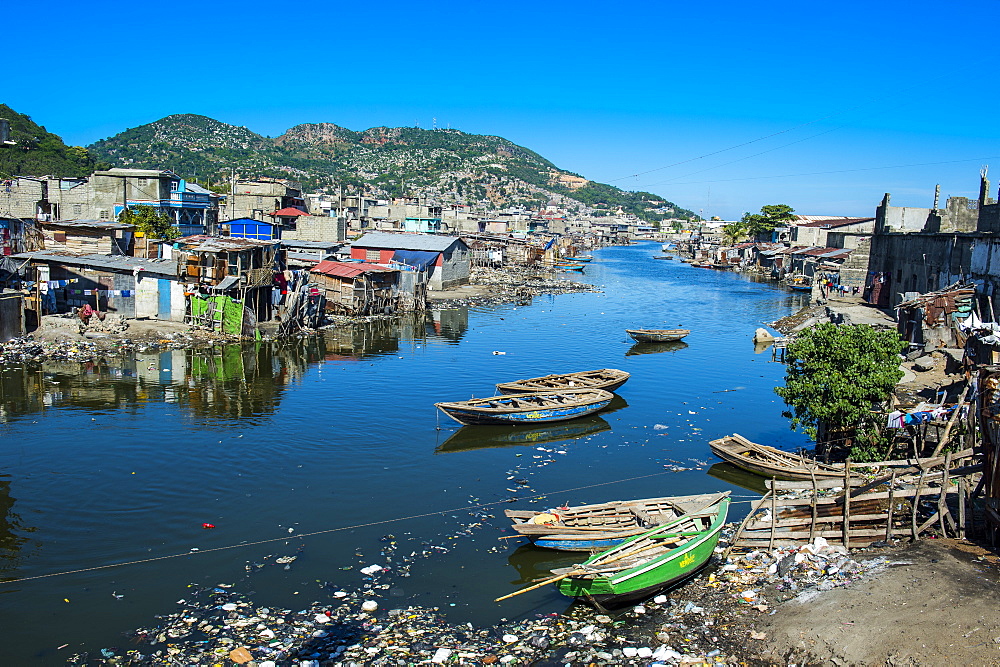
{"type": "Point", "coordinates": [446, 164]}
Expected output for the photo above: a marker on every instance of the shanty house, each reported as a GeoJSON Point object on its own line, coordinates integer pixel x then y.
{"type": "Point", "coordinates": [242, 268]}
{"type": "Point", "coordinates": [356, 288]}
{"type": "Point", "coordinates": [102, 237]}
{"type": "Point", "coordinates": [132, 287]}
{"type": "Point", "coordinates": [445, 260]}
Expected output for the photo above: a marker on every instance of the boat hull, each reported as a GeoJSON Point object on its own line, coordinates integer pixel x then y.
{"type": "Point", "coordinates": [657, 335]}
{"type": "Point", "coordinates": [607, 379]}
{"type": "Point", "coordinates": [540, 409]}
{"type": "Point", "coordinates": [770, 462]}
{"type": "Point", "coordinates": [603, 525]}
{"type": "Point", "coordinates": [652, 575]}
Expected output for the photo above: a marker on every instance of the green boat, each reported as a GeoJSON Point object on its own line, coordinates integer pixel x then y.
{"type": "Point", "coordinates": [646, 564]}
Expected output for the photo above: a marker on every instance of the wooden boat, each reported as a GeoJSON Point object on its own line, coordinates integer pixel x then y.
{"type": "Point", "coordinates": [528, 408]}
{"type": "Point", "coordinates": [569, 267]}
{"type": "Point", "coordinates": [721, 267]}
{"type": "Point", "coordinates": [663, 256]}
{"type": "Point", "coordinates": [799, 283]}
{"type": "Point", "coordinates": [657, 335]}
{"type": "Point", "coordinates": [608, 379]}
{"type": "Point", "coordinates": [645, 564]}
{"type": "Point", "coordinates": [600, 526]}
{"type": "Point", "coordinates": [771, 462]}
{"type": "Point", "coordinates": [579, 259]}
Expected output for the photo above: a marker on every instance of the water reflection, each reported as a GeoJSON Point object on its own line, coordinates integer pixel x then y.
{"type": "Point", "coordinates": [727, 472]}
{"type": "Point", "coordinates": [450, 324]}
{"type": "Point", "coordinates": [12, 529]}
{"type": "Point", "coordinates": [481, 437]}
{"type": "Point", "coordinates": [656, 348]}
{"type": "Point", "coordinates": [532, 563]}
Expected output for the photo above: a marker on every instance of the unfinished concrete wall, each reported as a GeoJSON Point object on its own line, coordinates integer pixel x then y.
{"type": "Point", "coordinates": [317, 228]}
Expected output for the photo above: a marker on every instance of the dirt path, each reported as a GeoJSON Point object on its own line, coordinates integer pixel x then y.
{"type": "Point", "coordinates": [934, 605]}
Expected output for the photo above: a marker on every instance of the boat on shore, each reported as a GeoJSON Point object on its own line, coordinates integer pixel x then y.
{"type": "Point", "coordinates": [527, 408]}
{"type": "Point", "coordinates": [799, 283]}
{"type": "Point", "coordinates": [579, 259]}
{"type": "Point", "coordinates": [643, 565]}
{"type": "Point", "coordinates": [603, 525]}
{"type": "Point", "coordinates": [657, 335]}
{"type": "Point", "coordinates": [569, 267]}
{"type": "Point", "coordinates": [771, 462]}
{"type": "Point", "coordinates": [607, 379]}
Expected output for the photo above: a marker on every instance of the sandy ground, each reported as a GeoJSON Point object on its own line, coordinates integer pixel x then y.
{"type": "Point", "coordinates": [935, 605]}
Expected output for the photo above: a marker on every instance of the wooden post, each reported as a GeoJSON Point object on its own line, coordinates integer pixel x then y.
{"type": "Point", "coordinates": [847, 503]}
{"type": "Point", "coordinates": [774, 514]}
{"type": "Point", "coordinates": [892, 500]}
{"type": "Point", "coordinates": [943, 496]}
{"type": "Point", "coordinates": [916, 503]}
{"type": "Point", "coordinates": [961, 507]}
{"type": "Point", "coordinates": [815, 493]}
{"type": "Point", "coordinates": [951, 422]}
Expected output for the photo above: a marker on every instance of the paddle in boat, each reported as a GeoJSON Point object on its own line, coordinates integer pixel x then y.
{"type": "Point", "coordinates": [608, 379]}
{"type": "Point", "coordinates": [771, 462]}
{"type": "Point", "coordinates": [657, 335]}
{"type": "Point", "coordinates": [644, 564]}
{"type": "Point", "coordinates": [528, 408]}
{"type": "Point", "coordinates": [600, 526]}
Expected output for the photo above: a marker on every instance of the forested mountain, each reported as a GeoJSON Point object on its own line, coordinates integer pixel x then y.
{"type": "Point", "coordinates": [446, 164]}
{"type": "Point", "coordinates": [37, 152]}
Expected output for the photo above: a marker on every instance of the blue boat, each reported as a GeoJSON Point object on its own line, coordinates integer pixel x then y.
{"type": "Point", "coordinates": [528, 408]}
{"type": "Point", "coordinates": [604, 525]}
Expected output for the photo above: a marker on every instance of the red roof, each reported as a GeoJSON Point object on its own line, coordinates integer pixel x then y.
{"type": "Point", "coordinates": [347, 269]}
{"type": "Point", "coordinates": [288, 212]}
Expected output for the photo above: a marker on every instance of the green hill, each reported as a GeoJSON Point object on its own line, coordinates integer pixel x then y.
{"type": "Point", "coordinates": [449, 165]}
{"type": "Point", "coordinates": [37, 152]}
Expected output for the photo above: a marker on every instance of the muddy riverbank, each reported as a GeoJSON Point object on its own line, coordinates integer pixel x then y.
{"type": "Point", "coordinates": [65, 338]}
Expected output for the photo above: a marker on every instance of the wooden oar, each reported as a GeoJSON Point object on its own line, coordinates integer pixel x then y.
{"type": "Point", "coordinates": [542, 583]}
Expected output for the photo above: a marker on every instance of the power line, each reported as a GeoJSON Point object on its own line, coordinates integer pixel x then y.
{"type": "Point", "coordinates": [837, 171]}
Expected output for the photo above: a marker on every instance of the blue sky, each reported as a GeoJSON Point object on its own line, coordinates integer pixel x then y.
{"type": "Point", "coordinates": [720, 107]}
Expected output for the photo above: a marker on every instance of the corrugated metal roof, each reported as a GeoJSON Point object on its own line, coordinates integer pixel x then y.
{"type": "Point", "coordinates": [347, 269]}
{"type": "Point", "coordinates": [312, 245]}
{"type": "Point", "coordinates": [203, 243]}
{"type": "Point", "coordinates": [90, 224]}
{"type": "Point", "coordinates": [121, 263]}
{"type": "Point", "coordinates": [430, 242]}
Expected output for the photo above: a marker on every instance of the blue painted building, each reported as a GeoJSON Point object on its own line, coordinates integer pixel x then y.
{"type": "Point", "coordinates": [248, 228]}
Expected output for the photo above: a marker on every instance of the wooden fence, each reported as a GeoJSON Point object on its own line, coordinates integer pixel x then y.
{"type": "Point", "coordinates": [905, 499]}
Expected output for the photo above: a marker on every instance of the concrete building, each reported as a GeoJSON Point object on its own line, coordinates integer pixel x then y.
{"type": "Point", "coordinates": [105, 194]}
{"type": "Point", "coordinates": [918, 250]}
{"type": "Point", "coordinates": [257, 199]}
{"type": "Point", "coordinates": [814, 230]}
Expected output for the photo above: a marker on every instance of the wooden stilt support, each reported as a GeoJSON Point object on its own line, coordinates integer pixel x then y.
{"type": "Point", "coordinates": [961, 507]}
{"type": "Point", "coordinates": [916, 505]}
{"type": "Point", "coordinates": [892, 507]}
{"type": "Point", "coordinates": [847, 504]}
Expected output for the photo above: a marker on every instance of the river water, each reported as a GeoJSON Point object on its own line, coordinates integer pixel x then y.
{"type": "Point", "coordinates": [335, 438]}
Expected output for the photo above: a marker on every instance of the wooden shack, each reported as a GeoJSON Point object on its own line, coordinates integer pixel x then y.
{"type": "Point", "coordinates": [357, 288]}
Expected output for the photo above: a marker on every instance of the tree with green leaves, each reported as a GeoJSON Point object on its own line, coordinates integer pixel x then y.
{"type": "Point", "coordinates": [735, 232]}
{"type": "Point", "coordinates": [840, 375]}
{"type": "Point", "coordinates": [149, 221]}
{"type": "Point", "coordinates": [770, 216]}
